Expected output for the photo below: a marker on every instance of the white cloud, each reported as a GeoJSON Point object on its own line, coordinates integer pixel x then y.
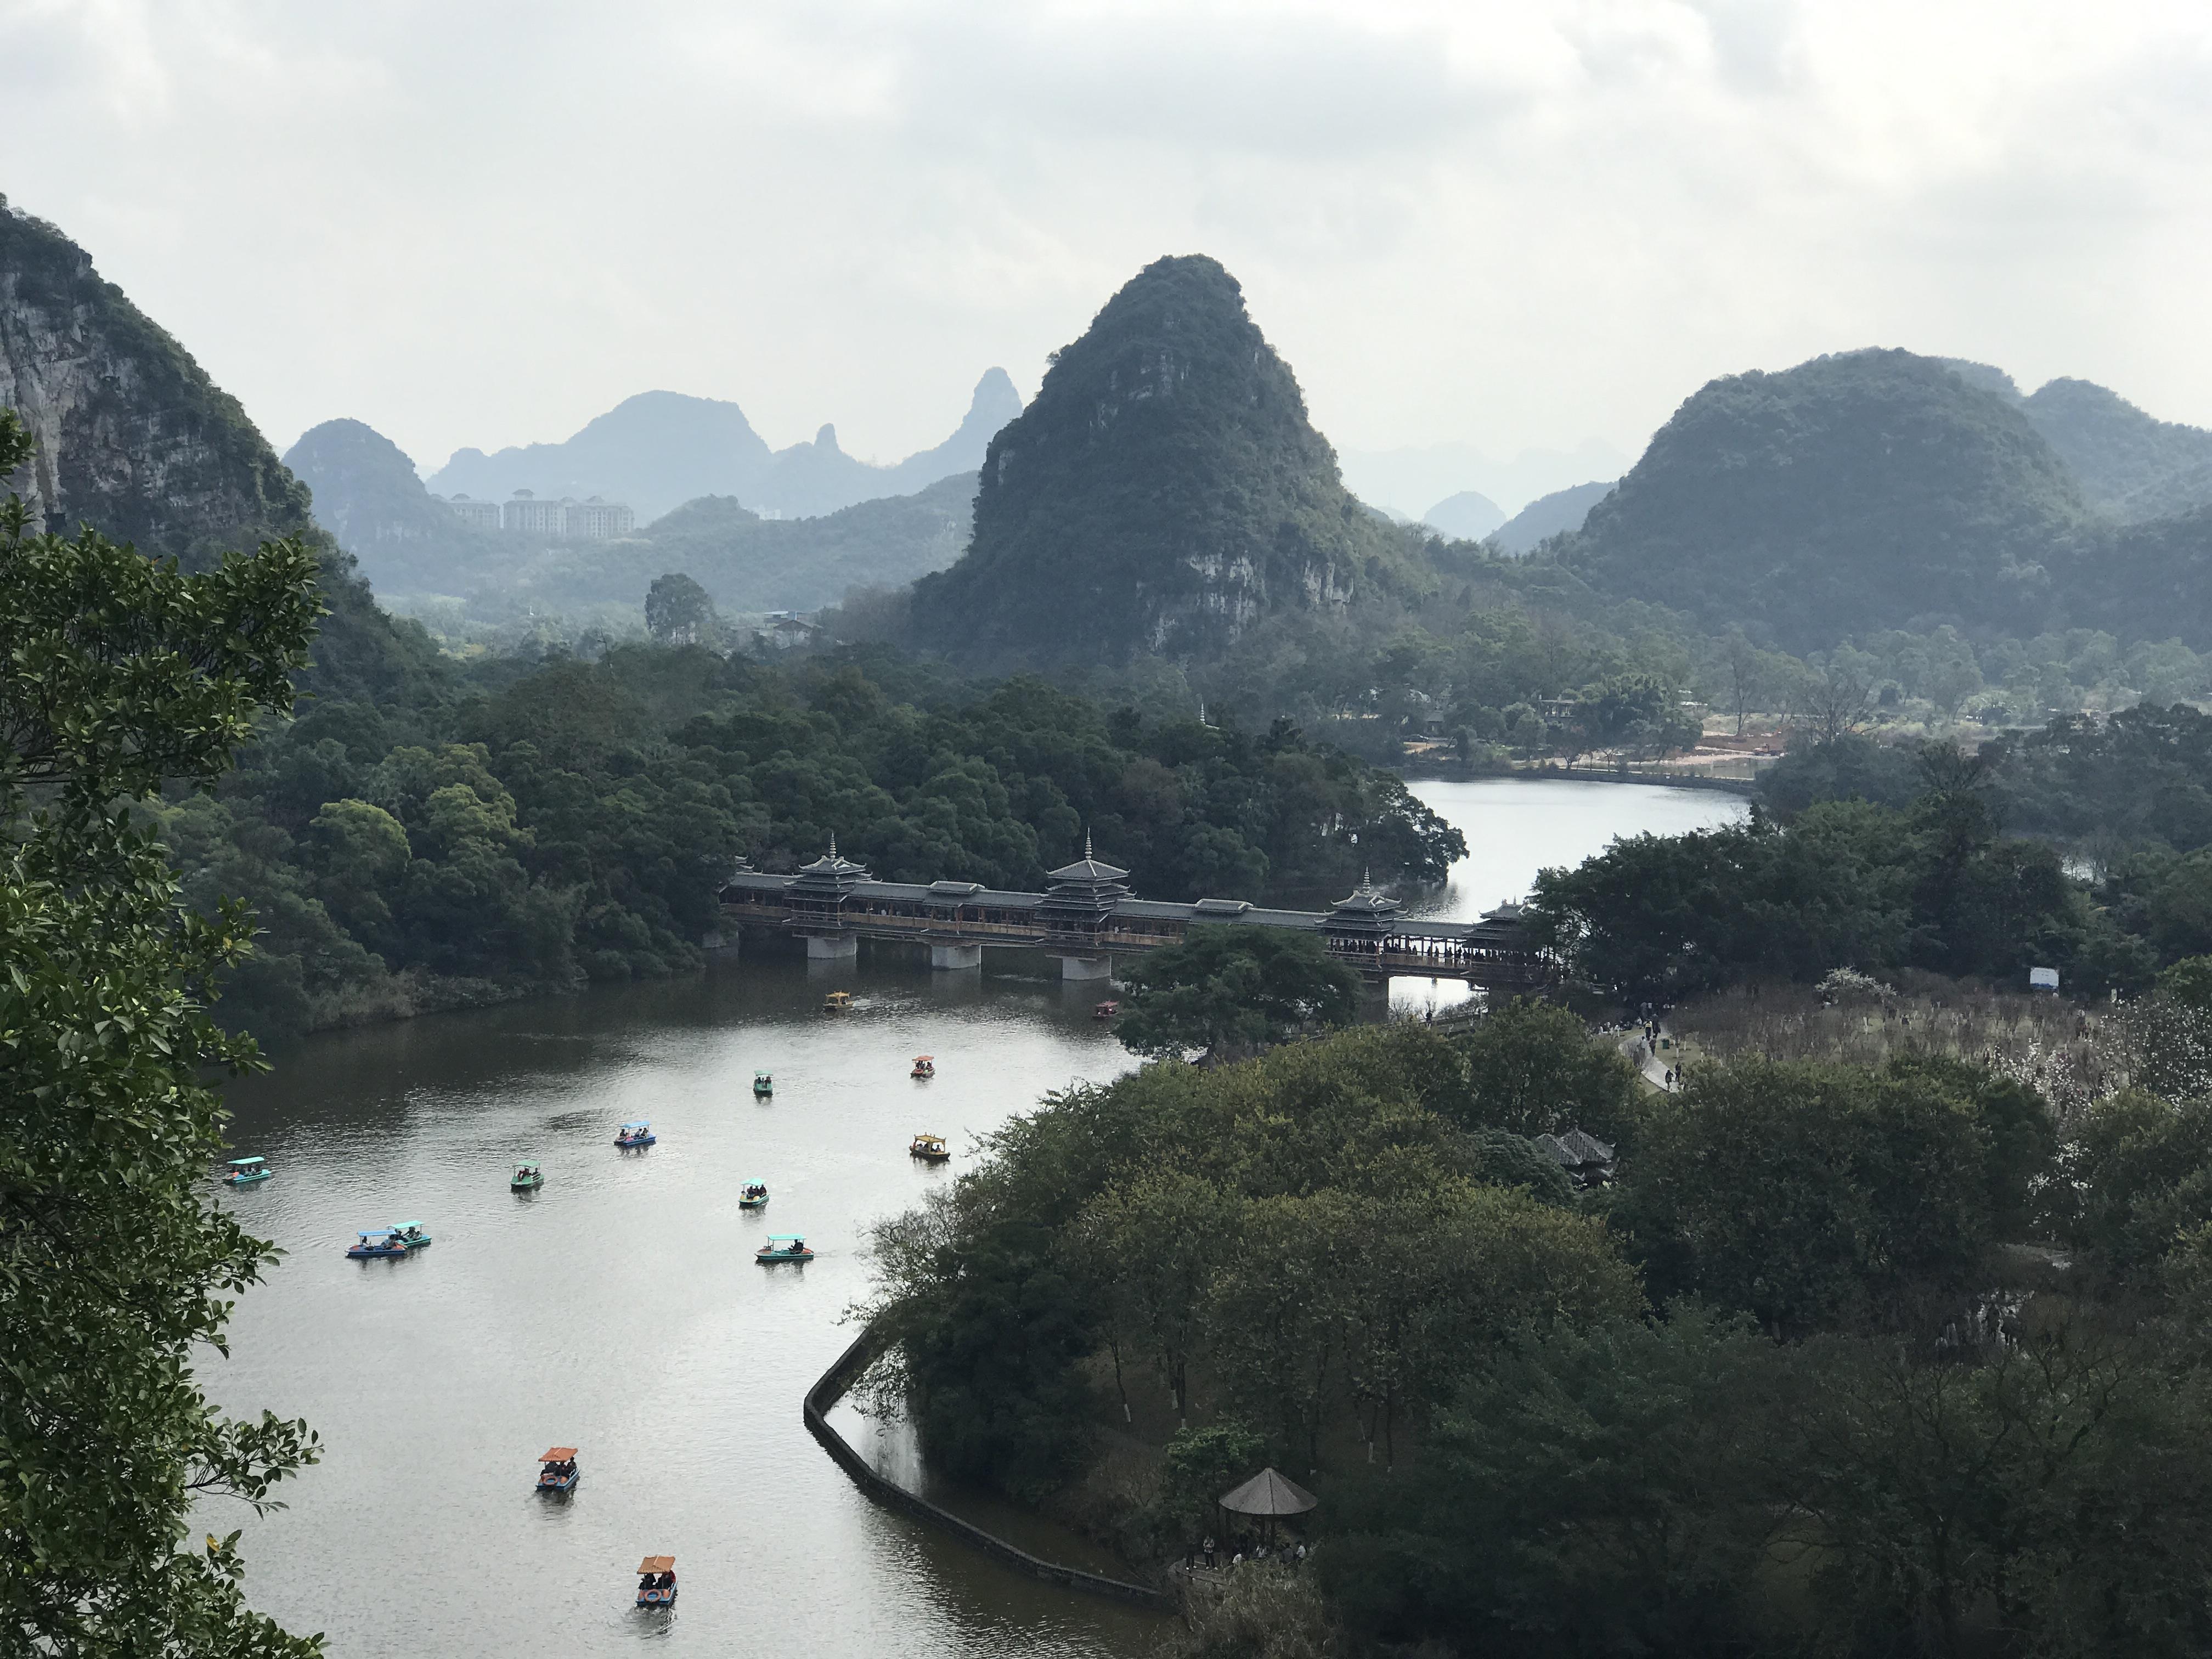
{"type": "Point", "coordinates": [1508, 223]}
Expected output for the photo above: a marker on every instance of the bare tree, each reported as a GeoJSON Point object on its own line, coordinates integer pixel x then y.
{"type": "Point", "coordinates": [1832, 700]}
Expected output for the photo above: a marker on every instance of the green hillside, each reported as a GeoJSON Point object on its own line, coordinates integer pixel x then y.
{"type": "Point", "coordinates": [2129, 464]}
{"type": "Point", "coordinates": [1163, 493]}
{"type": "Point", "coordinates": [134, 437]}
{"type": "Point", "coordinates": [1870, 490]}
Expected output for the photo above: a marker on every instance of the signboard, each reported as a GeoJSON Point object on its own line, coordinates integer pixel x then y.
{"type": "Point", "coordinates": [2043, 979]}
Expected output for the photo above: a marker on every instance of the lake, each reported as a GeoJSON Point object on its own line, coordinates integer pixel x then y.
{"type": "Point", "coordinates": [619, 1310]}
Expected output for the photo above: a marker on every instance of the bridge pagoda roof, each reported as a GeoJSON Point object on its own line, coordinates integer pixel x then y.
{"type": "Point", "coordinates": [829, 865]}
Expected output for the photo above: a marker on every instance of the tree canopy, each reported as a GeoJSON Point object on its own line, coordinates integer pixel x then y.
{"type": "Point", "coordinates": [1231, 991]}
{"type": "Point", "coordinates": [118, 674]}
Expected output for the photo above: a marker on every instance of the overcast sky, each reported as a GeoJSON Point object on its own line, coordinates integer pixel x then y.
{"type": "Point", "coordinates": [1518, 225]}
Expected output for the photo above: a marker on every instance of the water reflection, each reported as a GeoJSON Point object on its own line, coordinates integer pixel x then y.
{"type": "Point", "coordinates": [1516, 827]}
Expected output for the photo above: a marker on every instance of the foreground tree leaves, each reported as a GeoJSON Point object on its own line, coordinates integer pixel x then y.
{"type": "Point", "coordinates": [116, 675]}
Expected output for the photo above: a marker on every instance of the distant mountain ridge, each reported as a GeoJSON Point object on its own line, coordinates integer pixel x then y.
{"type": "Point", "coordinates": [661, 449]}
{"type": "Point", "coordinates": [1163, 493]}
{"type": "Point", "coordinates": [413, 549]}
{"type": "Point", "coordinates": [1555, 515]}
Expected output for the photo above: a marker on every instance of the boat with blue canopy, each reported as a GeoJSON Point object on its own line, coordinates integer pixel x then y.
{"type": "Point", "coordinates": [656, 1581]}
{"type": "Point", "coordinates": [783, 1247]}
{"type": "Point", "coordinates": [753, 1195]}
{"type": "Point", "coordinates": [245, 1171]}
{"type": "Point", "coordinates": [527, 1178]}
{"type": "Point", "coordinates": [556, 1469]}
{"type": "Point", "coordinates": [376, 1242]}
{"type": "Point", "coordinates": [637, 1133]}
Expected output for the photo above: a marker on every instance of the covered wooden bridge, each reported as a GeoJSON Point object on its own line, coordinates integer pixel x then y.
{"type": "Point", "coordinates": [1088, 916]}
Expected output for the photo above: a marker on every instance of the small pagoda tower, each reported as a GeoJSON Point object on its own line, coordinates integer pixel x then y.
{"type": "Point", "coordinates": [1074, 910]}
{"type": "Point", "coordinates": [1360, 924]}
{"type": "Point", "coordinates": [816, 898]}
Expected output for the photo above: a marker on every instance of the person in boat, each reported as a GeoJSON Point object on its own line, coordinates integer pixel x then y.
{"type": "Point", "coordinates": [645, 1583]}
{"type": "Point", "coordinates": [667, 1580]}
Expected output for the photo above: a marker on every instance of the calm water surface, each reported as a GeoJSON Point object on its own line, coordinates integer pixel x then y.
{"type": "Point", "coordinates": [620, 1310]}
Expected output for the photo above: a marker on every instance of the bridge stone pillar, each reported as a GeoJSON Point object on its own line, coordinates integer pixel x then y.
{"type": "Point", "coordinates": [1086, 967]}
{"type": "Point", "coordinates": [956, 956]}
{"type": "Point", "coordinates": [838, 947]}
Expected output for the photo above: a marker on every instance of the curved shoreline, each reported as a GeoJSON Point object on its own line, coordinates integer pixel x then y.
{"type": "Point", "coordinates": [831, 1388]}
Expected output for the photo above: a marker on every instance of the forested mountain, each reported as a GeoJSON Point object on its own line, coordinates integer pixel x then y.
{"type": "Point", "coordinates": [1163, 493]}
{"type": "Point", "coordinates": [2129, 464]}
{"type": "Point", "coordinates": [1554, 514]}
{"type": "Point", "coordinates": [1853, 493]}
{"type": "Point", "coordinates": [134, 439]}
{"type": "Point", "coordinates": [1468, 516]}
{"type": "Point", "coordinates": [661, 449]}
{"type": "Point", "coordinates": [369, 497]}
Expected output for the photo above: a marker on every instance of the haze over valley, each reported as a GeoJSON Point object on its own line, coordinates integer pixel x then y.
{"type": "Point", "coordinates": [1441, 889]}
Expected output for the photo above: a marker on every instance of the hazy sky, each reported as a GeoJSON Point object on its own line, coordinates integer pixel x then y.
{"type": "Point", "coordinates": [1513, 225]}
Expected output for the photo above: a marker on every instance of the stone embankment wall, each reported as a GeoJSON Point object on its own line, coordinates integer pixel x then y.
{"type": "Point", "coordinates": [831, 1387]}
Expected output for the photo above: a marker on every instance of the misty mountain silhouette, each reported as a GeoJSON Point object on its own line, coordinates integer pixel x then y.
{"type": "Point", "coordinates": [661, 449]}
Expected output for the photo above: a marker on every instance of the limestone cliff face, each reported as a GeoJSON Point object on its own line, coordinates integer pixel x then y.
{"type": "Point", "coordinates": [1163, 493]}
{"type": "Point", "coordinates": [135, 441]}
{"type": "Point", "coordinates": [132, 436]}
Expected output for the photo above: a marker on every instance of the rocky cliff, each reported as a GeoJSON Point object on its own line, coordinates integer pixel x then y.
{"type": "Point", "coordinates": [1163, 493]}
{"type": "Point", "coordinates": [135, 439]}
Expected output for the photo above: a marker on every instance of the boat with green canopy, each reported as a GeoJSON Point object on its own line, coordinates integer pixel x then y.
{"type": "Point", "coordinates": [764, 1085]}
{"type": "Point", "coordinates": [527, 1178]}
{"type": "Point", "coordinates": [753, 1195]}
{"type": "Point", "coordinates": [783, 1247]}
{"type": "Point", "coordinates": [245, 1171]}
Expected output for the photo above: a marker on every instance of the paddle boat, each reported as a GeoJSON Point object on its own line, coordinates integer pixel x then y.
{"type": "Point", "coordinates": [924, 1065]}
{"type": "Point", "coordinates": [410, 1234]}
{"type": "Point", "coordinates": [753, 1195]}
{"type": "Point", "coordinates": [656, 1581]}
{"type": "Point", "coordinates": [376, 1242]}
{"type": "Point", "coordinates": [245, 1171]}
{"type": "Point", "coordinates": [527, 1178]}
{"type": "Point", "coordinates": [764, 1085]}
{"type": "Point", "coordinates": [837, 1002]}
{"type": "Point", "coordinates": [930, 1149]}
{"type": "Point", "coordinates": [636, 1134]}
{"type": "Point", "coordinates": [1106, 1011]}
{"type": "Point", "coordinates": [783, 1247]}
{"type": "Point", "coordinates": [556, 1469]}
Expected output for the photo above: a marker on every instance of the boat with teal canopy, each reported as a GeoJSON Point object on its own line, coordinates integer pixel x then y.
{"type": "Point", "coordinates": [637, 1133]}
{"type": "Point", "coordinates": [527, 1178]}
{"type": "Point", "coordinates": [783, 1247]}
{"type": "Point", "coordinates": [764, 1085]}
{"type": "Point", "coordinates": [410, 1234]}
{"type": "Point", "coordinates": [245, 1171]}
{"type": "Point", "coordinates": [753, 1195]}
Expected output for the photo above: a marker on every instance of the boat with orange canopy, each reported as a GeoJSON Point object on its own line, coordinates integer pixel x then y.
{"type": "Point", "coordinates": [656, 1581]}
{"type": "Point", "coordinates": [556, 1469]}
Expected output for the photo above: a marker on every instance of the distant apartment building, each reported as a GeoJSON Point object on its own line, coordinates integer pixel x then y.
{"type": "Point", "coordinates": [477, 515]}
{"type": "Point", "coordinates": [597, 519]}
{"type": "Point", "coordinates": [523, 513]}
{"type": "Point", "coordinates": [568, 519]}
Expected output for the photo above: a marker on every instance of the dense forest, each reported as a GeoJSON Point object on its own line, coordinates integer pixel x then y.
{"type": "Point", "coordinates": [1788, 1383]}
{"type": "Point", "coordinates": [538, 823]}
